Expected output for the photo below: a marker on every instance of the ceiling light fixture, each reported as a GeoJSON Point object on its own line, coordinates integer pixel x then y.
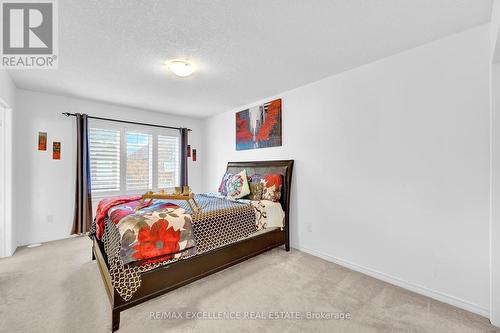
{"type": "Point", "coordinates": [180, 68]}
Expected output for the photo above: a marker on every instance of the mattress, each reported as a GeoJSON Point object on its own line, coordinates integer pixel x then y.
{"type": "Point", "coordinates": [262, 231]}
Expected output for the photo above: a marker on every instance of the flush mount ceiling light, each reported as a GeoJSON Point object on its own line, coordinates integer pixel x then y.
{"type": "Point", "coordinates": [180, 68]}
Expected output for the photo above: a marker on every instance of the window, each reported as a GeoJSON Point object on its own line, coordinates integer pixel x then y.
{"type": "Point", "coordinates": [132, 160]}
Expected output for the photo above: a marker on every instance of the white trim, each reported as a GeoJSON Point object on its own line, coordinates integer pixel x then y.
{"type": "Point", "coordinates": [9, 243]}
{"type": "Point", "coordinates": [494, 259]}
{"type": "Point", "coordinates": [445, 298]}
{"type": "Point", "coordinates": [3, 192]}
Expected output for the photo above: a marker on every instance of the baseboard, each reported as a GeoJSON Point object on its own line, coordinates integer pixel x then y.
{"type": "Point", "coordinates": [9, 252]}
{"type": "Point", "coordinates": [13, 250]}
{"type": "Point", "coordinates": [45, 240]}
{"type": "Point", "coordinates": [442, 297]}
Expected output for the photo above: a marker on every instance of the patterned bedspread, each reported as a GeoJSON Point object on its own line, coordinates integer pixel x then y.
{"type": "Point", "coordinates": [220, 222]}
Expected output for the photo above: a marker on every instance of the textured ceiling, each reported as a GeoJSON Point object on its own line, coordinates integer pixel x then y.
{"type": "Point", "coordinates": [244, 50]}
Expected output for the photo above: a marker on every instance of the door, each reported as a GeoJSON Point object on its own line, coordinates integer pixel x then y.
{"type": "Point", "coordinates": [3, 229]}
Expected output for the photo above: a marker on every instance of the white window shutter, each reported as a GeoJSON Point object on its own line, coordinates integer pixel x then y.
{"type": "Point", "coordinates": [168, 161]}
{"type": "Point", "coordinates": [104, 149]}
{"type": "Point", "coordinates": [139, 161]}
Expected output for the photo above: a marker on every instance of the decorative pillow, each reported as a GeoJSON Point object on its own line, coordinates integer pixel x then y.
{"type": "Point", "coordinates": [256, 190]}
{"type": "Point", "coordinates": [237, 186]}
{"type": "Point", "coordinates": [223, 183]}
{"type": "Point", "coordinates": [272, 187]}
{"type": "Point", "coordinates": [255, 178]}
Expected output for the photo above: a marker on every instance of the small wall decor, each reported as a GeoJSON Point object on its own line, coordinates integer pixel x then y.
{"type": "Point", "coordinates": [194, 155]}
{"type": "Point", "coordinates": [259, 126]}
{"type": "Point", "coordinates": [189, 151]}
{"type": "Point", "coordinates": [56, 150]}
{"type": "Point", "coordinates": [42, 140]}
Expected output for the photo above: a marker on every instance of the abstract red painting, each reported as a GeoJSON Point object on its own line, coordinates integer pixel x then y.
{"type": "Point", "coordinates": [259, 126]}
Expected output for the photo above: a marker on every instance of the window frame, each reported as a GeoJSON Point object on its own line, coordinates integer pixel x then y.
{"type": "Point", "coordinates": [124, 128]}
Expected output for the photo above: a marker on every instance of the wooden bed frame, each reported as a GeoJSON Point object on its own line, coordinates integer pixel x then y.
{"type": "Point", "coordinates": [169, 277]}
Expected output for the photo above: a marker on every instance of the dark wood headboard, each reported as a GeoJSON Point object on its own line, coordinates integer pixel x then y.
{"type": "Point", "coordinates": [284, 168]}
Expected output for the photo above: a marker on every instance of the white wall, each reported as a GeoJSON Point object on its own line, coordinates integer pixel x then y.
{"type": "Point", "coordinates": [7, 88]}
{"type": "Point", "coordinates": [392, 167]}
{"type": "Point", "coordinates": [494, 36]}
{"type": "Point", "coordinates": [44, 188]}
{"type": "Point", "coordinates": [7, 96]}
{"type": "Point", "coordinates": [495, 167]}
{"type": "Point", "coordinates": [495, 217]}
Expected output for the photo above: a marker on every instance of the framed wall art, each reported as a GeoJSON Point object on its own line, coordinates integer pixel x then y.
{"type": "Point", "coordinates": [259, 126]}
{"type": "Point", "coordinates": [42, 140]}
{"type": "Point", "coordinates": [56, 150]}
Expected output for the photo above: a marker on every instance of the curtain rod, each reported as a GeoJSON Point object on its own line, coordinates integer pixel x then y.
{"type": "Point", "coordinates": [67, 114]}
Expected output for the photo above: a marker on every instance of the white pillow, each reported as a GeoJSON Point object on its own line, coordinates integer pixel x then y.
{"type": "Point", "coordinates": [237, 186]}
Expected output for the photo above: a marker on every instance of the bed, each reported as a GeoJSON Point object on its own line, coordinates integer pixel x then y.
{"type": "Point", "coordinates": [211, 256]}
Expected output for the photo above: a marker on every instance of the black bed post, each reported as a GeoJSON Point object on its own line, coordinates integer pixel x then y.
{"type": "Point", "coordinates": [287, 213]}
{"type": "Point", "coordinates": [115, 322]}
{"type": "Point", "coordinates": [287, 228]}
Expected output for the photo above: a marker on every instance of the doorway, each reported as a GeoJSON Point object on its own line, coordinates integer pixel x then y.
{"type": "Point", "coordinates": [6, 228]}
{"type": "Point", "coordinates": [3, 220]}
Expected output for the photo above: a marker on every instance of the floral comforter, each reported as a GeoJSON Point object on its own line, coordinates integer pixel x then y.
{"type": "Point", "coordinates": [151, 232]}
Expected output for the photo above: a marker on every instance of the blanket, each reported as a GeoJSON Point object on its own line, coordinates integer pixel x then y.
{"type": "Point", "coordinates": [105, 205]}
{"type": "Point", "coordinates": [151, 232]}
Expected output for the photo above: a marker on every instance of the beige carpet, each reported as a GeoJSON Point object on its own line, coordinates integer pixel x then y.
{"type": "Point", "coordinates": [57, 288]}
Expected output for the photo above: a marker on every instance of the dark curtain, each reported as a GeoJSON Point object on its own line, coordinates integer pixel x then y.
{"type": "Point", "coordinates": [83, 199]}
{"type": "Point", "coordinates": [184, 167]}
